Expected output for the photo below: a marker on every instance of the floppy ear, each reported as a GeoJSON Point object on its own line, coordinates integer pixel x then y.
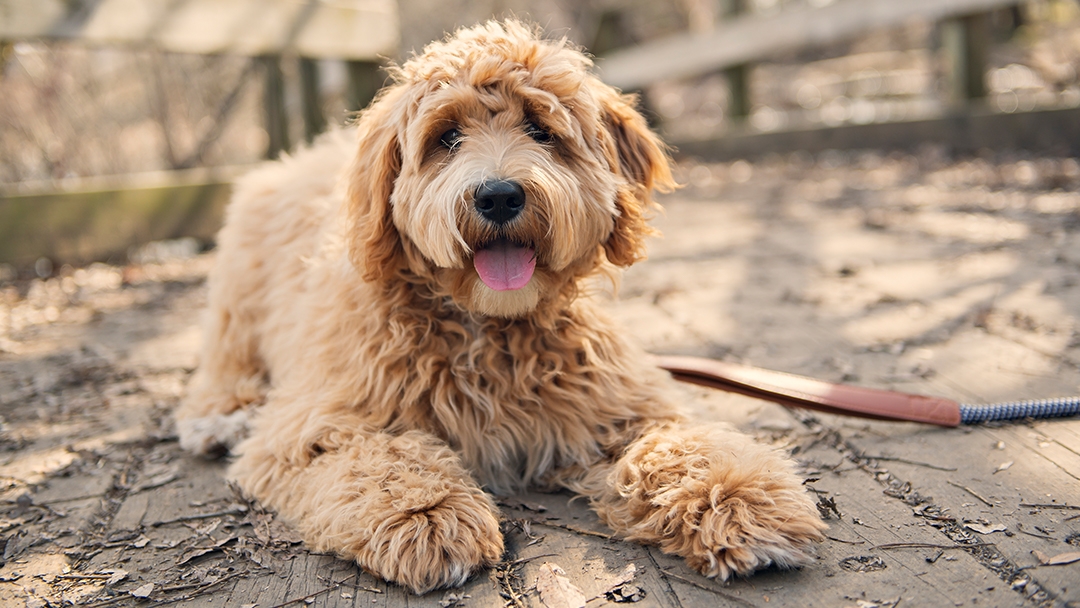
{"type": "Point", "coordinates": [374, 243]}
{"type": "Point", "coordinates": [642, 159]}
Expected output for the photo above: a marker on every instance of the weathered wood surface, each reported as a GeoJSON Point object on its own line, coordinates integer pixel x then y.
{"type": "Point", "coordinates": [957, 279]}
{"type": "Point", "coordinates": [756, 37]}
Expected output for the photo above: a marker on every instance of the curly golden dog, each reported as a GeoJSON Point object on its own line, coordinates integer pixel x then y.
{"type": "Point", "coordinates": [398, 325]}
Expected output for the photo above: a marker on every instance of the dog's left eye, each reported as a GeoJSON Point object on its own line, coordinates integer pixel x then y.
{"type": "Point", "coordinates": [538, 133]}
{"type": "Point", "coordinates": [451, 139]}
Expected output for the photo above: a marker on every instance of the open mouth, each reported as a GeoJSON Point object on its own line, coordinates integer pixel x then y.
{"type": "Point", "coordinates": [504, 265]}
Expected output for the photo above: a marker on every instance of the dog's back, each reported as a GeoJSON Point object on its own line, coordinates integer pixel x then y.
{"type": "Point", "coordinates": [274, 226]}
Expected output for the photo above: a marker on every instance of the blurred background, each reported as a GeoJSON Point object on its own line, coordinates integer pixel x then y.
{"type": "Point", "coordinates": [122, 121]}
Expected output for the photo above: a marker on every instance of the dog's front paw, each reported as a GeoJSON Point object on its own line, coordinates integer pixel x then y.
{"type": "Point", "coordinates": [431, 539]}
{"type": "Point", "coordinates": [734, 529]}
{"type": "Point", "coordinates": [725, 504]}
{"type": "Point", "coordinates": [213, 435]}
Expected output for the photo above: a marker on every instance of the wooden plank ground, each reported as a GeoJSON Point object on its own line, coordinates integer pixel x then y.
{"type": "Point", "coordinates": [952, 278]}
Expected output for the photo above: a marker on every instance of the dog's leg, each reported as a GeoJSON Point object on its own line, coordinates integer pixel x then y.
{"type": "Point", "coordinates": [401, 506]}
{"type": "Point", "coordinates": [213, 416]}
{"type": "Point", "coordinates": [711, 495]}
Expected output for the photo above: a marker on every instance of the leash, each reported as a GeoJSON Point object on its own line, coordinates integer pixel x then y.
{"type": "Point", "coordinates": [791, 390]}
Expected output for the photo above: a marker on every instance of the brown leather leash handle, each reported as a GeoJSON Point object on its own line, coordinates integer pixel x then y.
{"type": "Point", "coordinates": [799, 391]}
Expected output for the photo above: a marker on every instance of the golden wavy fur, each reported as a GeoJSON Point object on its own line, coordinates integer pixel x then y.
{"type": "Point", "coordinates": [383, 385]}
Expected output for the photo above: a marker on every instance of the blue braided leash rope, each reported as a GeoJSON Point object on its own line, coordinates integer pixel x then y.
{"type": "Point", "coordinates": [1012, 410]}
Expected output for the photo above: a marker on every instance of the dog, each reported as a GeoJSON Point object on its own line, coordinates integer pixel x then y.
{"type": "Point", "coordinates": [400, 324]}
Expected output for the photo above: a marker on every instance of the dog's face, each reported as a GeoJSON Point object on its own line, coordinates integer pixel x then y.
{"type": "Point", "coordinates": [500, 171]}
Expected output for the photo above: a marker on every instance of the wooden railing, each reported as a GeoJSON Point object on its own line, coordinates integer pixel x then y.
{"type": "Point", "coordinates": [748, 38]}
{"type": "Point", "coordinates": [83, 220]}
{"type": "Point", "coordinates": [360, 32]}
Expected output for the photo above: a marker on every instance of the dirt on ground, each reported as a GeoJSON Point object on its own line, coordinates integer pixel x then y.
{"type": "Point", "coordinates": [958, 278]}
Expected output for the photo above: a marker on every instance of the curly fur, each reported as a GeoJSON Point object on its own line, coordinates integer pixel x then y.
{"type": "Point", "coordinates": [384, 386]}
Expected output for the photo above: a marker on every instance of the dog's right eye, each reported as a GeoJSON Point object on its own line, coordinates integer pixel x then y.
{"type": "Point", "coordinates": [451, 139]}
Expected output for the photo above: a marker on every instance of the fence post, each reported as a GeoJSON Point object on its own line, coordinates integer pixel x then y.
{"type": "Point", "coordinates": [314, 121]}
{"type": "Point", "coordinates": [277, 122]}
{"type": "Point", "coordinates": [738, 76]}
{"type": "Point", "coordinates": [362, 85]}
{"type": "Point", "coordinates": [965, 41]}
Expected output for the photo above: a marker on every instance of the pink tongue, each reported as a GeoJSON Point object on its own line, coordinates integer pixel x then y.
{"type": "Point", "coordinates": [503, 266]}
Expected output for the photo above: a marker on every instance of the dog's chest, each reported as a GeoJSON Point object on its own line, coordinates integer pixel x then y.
{"type": "Point", "coordinates": [506, 402]}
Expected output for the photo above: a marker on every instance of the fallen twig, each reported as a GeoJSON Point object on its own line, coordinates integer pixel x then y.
{"type": "Point", "coordinates": [929, 546]}
{"type": "Point", "coordinates": [847, 542]}
{"type": "Point", "coordinates": [332, 587]}
{"type": "Point", "coordinates": [525, 560]}
{"type": "Point", "coordinates": [1038, 506]}
{"type": "Point", "coordinates": [84, 576]}
{"type": "Point", "coordinates": [506, 577]}
{"type": "Point", "coordinates": [344, 583]}
{"type": "Point", "coordinates": [1020, 528]}
{"type": "Point", "coordinates": [911, 462]}
{"type": "Point", "coordinates": [235, 511]}
{"type": "Point", "coordinates": [972, 492]}
{"type": "Point", "coordinates": [571, 528]}
{"type": "Point", "coordinates": [183, 598]}
{"type": "Point", "coordinates": [201, 590]}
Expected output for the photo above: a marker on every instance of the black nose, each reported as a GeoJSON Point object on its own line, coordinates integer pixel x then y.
{"type": "Point", "coordinates": [499, 201]}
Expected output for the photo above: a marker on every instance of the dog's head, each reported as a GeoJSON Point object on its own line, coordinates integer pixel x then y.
{"type": "Point", "coordinates": [498, 170]}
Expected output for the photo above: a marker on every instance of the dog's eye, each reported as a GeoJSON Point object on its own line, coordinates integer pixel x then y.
{"type": "Point", "coordinates": [538, 133]}
{"type": "Point", "coordinates": [451, 139]}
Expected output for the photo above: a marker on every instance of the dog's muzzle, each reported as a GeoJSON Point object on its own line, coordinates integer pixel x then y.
{"type": "Point", "coordinates": [500, 201]}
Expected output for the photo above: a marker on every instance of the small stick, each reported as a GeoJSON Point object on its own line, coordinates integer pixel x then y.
{"type": "Point", "coordinates": [525, 560]}
{"type": "Point", "coordinates": [571, 528]}
{"type": "Point", "coordinates": [239, 511]}
{"type": "Point", "coordinates": [201, 590]}
{"type": "Point", "coordinates": [906, 461]}
{"type": "Point", "coordinates": [182, 598]}
{"type": "Point", "coordinates": [972, 492]}
{"type": "Point", "coordinates": [332, 587]}
{"type": "Point", "coordinates": [929, 546]}
{"type": "Point", "coordinates": [848, 542]}
{"type": "Point", "coordinates": [1038, 506]}
{"type": "Point", "coordinates": [1020, 527]}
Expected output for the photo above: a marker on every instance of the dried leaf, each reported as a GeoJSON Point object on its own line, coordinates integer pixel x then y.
{"type": "Point", "coordinates": [204, 529]}
{"type": "Point", "coordinates": [144, 591]}
{"type": "Point", "coordinates": [556, 590]}
{"type": "Point", "coordinates": [627, 575]}
{"type": "Point", "coordinates": [1063, 558]}
{"type": "Point", "coordinates": [986, 529]}
{"type": "Point", "coordinates": [1003, 466]}
{"type": "Point", "coordinates": [195, 552]}
{"type": "Point", "coordinates": [117, 576]}
{"type": "Point", "coordinates": [155, 482]}
{"type": "Point", "coordinates": [621, 591]}
{"type": "Point", "coordinates": [1042, 557]}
